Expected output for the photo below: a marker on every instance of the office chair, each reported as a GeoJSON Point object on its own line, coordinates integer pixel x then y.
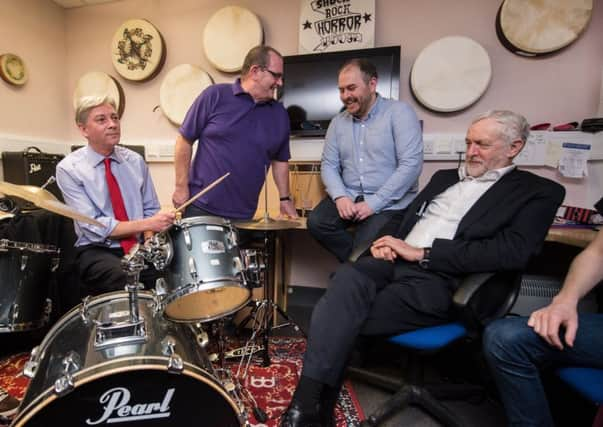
{"type": "Point", "coordinates": [588, 382]}
{"type": "Point", "coordinates": [480, 299]}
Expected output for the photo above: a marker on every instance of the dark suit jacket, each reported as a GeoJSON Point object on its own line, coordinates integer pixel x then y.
{"type": "Point", "coordinates": [503, 229]}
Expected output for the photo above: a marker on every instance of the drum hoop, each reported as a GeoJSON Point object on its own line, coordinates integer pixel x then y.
{"type": "Point", "coordinates": [148, 363]}
{"type": "Point", "coordinates": [32, 247]}
{"type": "Point", "coordinates": [206, 220]}
{"type": "Point", "coordinates": [23, 326]}
{"type": "Point", "coordinates": [191, 288]}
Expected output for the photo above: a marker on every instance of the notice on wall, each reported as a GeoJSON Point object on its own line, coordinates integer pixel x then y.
{"type": "Point", "coordinates": [332, 25]}
{"type": "Point", "coordinates": [574, 160]}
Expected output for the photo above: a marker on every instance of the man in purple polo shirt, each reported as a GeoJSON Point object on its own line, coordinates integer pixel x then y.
{"type": "Point", "coordinates": [241, 129]}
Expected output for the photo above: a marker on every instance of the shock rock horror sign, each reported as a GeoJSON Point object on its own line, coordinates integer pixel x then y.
{"type": "Point", "coordinates": [329, 25]}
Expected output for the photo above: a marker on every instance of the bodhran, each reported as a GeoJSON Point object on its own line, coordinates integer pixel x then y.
{"type": "Point", "coordinates": [228, 35]}
{"type": "Point", "coordinates": [96, 83]}
{"type": "Point", "coordinates": [539, 27]}
{"type": "Point", "coordinates": [181, 85]}
{"type": "Point", "coordinates": [450, 74]}
{"type": "Point", "coordinates": [137, 50]}
{"type": "Point", "coordinates": [12, 69]}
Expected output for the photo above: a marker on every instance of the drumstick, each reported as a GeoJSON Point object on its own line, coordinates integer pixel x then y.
{"type": "Point", "coordinates": [202, 192]}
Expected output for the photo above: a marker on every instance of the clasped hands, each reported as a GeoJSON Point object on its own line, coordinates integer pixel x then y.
{"type": "Point", "coordinates": [353, 211]}
{"type": "Point", "coordinates": [389, 248]}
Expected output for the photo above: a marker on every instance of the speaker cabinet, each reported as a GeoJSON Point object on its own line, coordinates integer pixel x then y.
{"type": "Point", "coordinates": [31, 167]}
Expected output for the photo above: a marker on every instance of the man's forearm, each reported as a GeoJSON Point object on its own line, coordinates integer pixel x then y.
{"type": "Point", "coordinates": [182, 160]}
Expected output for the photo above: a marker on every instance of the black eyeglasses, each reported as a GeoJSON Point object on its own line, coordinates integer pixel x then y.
{"type": "Point", "coordinates": [277, 76]}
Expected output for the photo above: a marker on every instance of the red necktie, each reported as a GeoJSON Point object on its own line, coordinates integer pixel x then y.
{"type": "Point", "coordinates": [119, 208]}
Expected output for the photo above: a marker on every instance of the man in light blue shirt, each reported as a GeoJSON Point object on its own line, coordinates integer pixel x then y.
{"type": "Point", "coordinates": [82, 177]}
{"type": "Point", "coordinates": [372, 159]}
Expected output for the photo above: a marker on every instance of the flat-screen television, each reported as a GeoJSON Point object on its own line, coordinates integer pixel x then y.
{"type": "Point", "coordinates": [310, 92]}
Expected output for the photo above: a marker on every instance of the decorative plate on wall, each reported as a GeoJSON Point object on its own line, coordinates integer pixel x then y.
{"type": "Point", "coordinates": [450, 74]}
{"type": "Point", "coordinates": [12, 69]}
{"type": "Point", "coordinates": [96, 83]}
{"type": "Point", "coordinates": [229, 34]}
{"type": "Point", "coordinates": [180, 87]}
{"type": "Point", "coordinates": [137, 50]}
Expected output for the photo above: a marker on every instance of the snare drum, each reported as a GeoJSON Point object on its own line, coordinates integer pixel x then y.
{"type": "Point", "coordinates": [95, 367]}
{"type": "Point", "coordinates": [24, 295]}
{"type": "Point", "coordinates": [204, 280]}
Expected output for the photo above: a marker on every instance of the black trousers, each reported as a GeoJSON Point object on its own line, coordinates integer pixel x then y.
{"type": "Point", "coordinates": [100, 271]}
{"type": "Point", "coordinates": [333, 233]}
{"type": "Point", "coordinates": [372, 297]}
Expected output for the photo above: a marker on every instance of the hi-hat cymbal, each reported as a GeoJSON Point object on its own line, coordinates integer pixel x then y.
{"type": "Point", "coordinates": [44, 199]}
{"type": "Point", "coordinates": [267, 224]}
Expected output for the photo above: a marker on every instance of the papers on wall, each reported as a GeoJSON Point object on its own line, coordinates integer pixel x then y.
{"type": "Point", "coordinates": [535, 151]}
{"type": "Point", "coordinates": [574, 159]}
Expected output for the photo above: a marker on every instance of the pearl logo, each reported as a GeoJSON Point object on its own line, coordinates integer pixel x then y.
{"type": "Point", "coordinates": [116, 407]}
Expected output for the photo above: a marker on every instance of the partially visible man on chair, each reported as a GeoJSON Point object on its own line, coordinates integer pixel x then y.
{"type": "Point", "coordinates": [371, 163]}
{"type": "Point", "coordinates": [485, 216]}
{"type": "Point", "coordinates": [517, 348]}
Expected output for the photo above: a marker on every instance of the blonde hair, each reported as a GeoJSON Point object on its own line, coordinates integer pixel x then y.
{"type": "Point", "coordinates": [87, 103]}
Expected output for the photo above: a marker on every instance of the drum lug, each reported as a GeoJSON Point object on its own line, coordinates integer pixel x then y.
{"type": "Point", "coordinates": [14, 314]}
{"type": "Point", "coordinates": [187, 238]}
{"type": "Point", "coordinates": [71, 364]}
{"type": "Point", "coordinates": [55, 264]}
{"type": "Point", "coordinates": [47, 309]}
{"type": "Point", "coordinates": [175, 364]}
{"type": "Point", "coordinates": [30, 367]}
{"type": "Point", "coordinates": [201, 336]}
{"type": "Point", "coordinates": [192, 268]}
{"type": "Point", "coordinates": [24, 259]}
{"type": "Point", "coordinates": [84, 315]}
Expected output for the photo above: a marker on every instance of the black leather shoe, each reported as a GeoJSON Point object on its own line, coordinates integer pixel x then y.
{"type": "Point", "coordinates": [295, 417]}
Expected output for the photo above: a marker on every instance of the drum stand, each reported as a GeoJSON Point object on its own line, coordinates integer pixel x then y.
{"type": "Point", "coordinates": [264, 312]}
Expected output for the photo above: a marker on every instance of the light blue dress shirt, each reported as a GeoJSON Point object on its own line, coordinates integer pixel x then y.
{"type": "Point", "coordinates": [380, 157]}
{"type": "Point", "coordinates": [81, 178]}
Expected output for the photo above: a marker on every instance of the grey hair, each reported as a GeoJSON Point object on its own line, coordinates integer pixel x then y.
{"type": "Point", "coordinates": [87, 103]}
{"type": "Point", "coordinates": [513, 126]}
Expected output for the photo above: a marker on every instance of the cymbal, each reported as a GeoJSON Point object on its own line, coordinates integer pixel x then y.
{"type": "Point", "coordinates": [44, 199]}
{"type": "Point", "coordinates": [267, 224]}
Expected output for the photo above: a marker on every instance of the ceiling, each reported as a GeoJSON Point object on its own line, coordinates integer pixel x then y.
{"type": "Point", "coordinates": [80, 3]}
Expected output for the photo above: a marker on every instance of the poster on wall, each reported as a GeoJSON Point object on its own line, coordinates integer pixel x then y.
{"type": "Point", "coordinates": [331, 25]}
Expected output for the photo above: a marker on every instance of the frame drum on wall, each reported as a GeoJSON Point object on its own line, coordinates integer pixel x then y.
{"type": "Point", "coordinates": [137, 50]}
{"type": "Point", "coordinates": [97, 83]}
{"type": "Point", "coordinates": [228, 35]}
{"type": "Point", "coordinates": [12, 69]}
{"type": "Point", "coordinates": [179, 89]}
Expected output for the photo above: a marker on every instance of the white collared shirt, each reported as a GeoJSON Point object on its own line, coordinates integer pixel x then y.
{"type": "Point", "coordinates": [443, 214]}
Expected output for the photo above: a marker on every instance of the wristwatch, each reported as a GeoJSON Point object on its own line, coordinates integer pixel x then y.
{"type": "Point", "coordinates": [424, 262]}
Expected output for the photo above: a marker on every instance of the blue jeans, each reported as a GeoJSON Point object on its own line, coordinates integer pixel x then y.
{"type": "Point", "coordinates": [515, 352]}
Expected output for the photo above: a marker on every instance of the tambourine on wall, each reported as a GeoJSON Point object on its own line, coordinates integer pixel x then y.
{"type": "Point", "coordinates": [13, 70]}
{"type": "Point", "coordinates": [541, 27]}
{"type": "Point", "coordinates": [138, 50]}
{"type": "Point", "coordinates": [97, 83]}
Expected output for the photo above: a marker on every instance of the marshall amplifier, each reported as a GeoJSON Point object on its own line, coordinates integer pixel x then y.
{"type": "Point", "coordinates": [31, 167]}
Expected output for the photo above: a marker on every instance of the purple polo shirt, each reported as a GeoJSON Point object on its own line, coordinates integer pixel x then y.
{"type": "Point", "coordinates": [235, 135]}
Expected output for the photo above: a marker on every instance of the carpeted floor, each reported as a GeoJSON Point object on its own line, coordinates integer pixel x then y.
{"type": "Point", "coordinates": [269, 388]}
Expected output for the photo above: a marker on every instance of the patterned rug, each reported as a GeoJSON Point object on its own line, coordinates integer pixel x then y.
{"type": "Point", "coordinates": [271, 387]}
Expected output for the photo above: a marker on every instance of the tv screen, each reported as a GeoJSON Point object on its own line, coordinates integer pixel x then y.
{"type": "Point", "coordinates": [310, 92]}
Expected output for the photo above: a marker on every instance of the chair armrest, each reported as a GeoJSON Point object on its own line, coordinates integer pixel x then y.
{"type": "Point", "coordinates": [484, 297]}
{"type": "Point", "coordinates": [468, 287]}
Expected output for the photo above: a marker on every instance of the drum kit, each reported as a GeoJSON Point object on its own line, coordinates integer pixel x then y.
{"type": "Point", "coordinates": [141, 357]}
